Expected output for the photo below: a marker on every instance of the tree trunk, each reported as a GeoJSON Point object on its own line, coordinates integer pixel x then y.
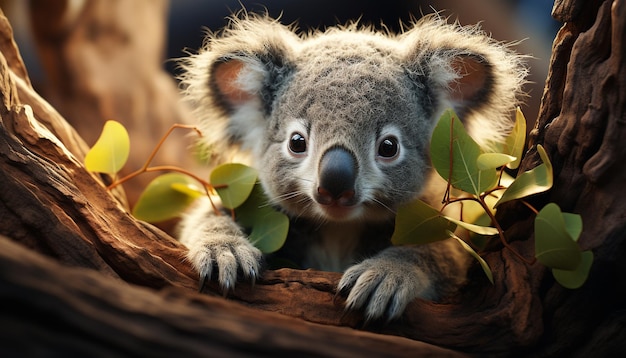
{"type": "Point", "coordinates": [78, 274]}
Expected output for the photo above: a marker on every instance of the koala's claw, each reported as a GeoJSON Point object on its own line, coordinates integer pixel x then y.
{"type": "Point", "coordinates": [381, 291]}
{"type": "Point", "coordinates": [225, 286]}
{"type": "Point", "coordinates": [251, 276]}
{"type": "Point", "coordinates": [230, 256]}
{"type": "Point", "coordinates": [202, 283]}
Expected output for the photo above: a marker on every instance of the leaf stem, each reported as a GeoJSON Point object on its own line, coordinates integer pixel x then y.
{"type": "Point", "coordinates": [208, 187]}
{"type": "Point", "coordinates": [456, 200]}
{"type": "Point", "coordinates": [501, 233]}
{"type": "Point", "coordinates": [480, 199]}
{"type": "Point", "coordinates": [527, 204]}
{"type": "Point", "coordinates": [167, 134]}
{"type": "Point", "coordinates": [446, 196]}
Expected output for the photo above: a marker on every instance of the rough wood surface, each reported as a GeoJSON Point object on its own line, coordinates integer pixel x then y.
{"type": "Point", "coordinates": [582, 126]}
{"type": "Point", "coordinates": [113, 285]}
{"type": "Point", "coordinates": [78, 312]}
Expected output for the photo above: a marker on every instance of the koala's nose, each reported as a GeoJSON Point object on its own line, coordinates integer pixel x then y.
{"type": "Point", "coordinates": [337, 177]}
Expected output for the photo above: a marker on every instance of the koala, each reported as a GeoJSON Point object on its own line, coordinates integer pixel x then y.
{"type": "Point", "coordinates": [338, 123]}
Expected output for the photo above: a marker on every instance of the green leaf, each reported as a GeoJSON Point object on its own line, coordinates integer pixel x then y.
{"type": "Point", "coordinates": [190, 189]}
{"type": "Point", "coordinates": [573, 225]}
{"type": "Point", "coordinates": [160, 201]}
{"type": "Point", "coordinates": [554, 247]}
{"type": "Point", "coordinates": [480, 260]}
{"type": "Point", "coordinates": [268, 227]}
{"type": "Point", "coordinates": [418, 223]}
{"type": "Point", "coordinates": [544, 157]}
{"type": "Point", "coordinates": [488, 161]}
{"type": "Point", "coordinates": [246, 213]}
{"type": "Point", "coordinates": [482, 230]}
{"type": "Point", "coordinates": [450, 144]}
{"type": "Point", "coordinates": [478, 240]}
{"type": "Point", "coordinates": [514, 144]}
{"type": "Point", "coordinates": [472, 210]}
{"type": "Point", "coordinates": [111, 150]}
{"type": "Point", "coordinates": [269, 231]}
{"type": "Point", "coordinates": [531, 182]}
{"type": "Point", "coordinates": [573, 279]}
{"type": "Point", "coordinates": [238, 180]}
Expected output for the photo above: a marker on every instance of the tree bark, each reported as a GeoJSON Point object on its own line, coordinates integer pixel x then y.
{"type": "Point", "coordinates": [582, 126]}
{"type": "Point", "coordinates": [48, 308]}
{"type": "Point", "coordinates": [81, 275]}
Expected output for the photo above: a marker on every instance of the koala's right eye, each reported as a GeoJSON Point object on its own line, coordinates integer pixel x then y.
{"type": "Point", "coordinates": [297, 143]}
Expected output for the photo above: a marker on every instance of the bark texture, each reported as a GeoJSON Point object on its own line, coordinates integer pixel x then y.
{"type": "Point", "coordinates": [78, 274]}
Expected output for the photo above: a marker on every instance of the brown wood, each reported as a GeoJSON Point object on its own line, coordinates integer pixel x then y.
{"type": "Point", "coordinates": [110, 285]}
{"type": "Point", "coordinates": [80, 312]}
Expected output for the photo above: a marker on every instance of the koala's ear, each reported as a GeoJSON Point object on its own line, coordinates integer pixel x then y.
{"type": "Point", "coordinates": [465, 69]}
{"type": "Point", "coordinates": [230, 84]}
{"type": "Point", "coordinates": [233, 81]}
{"type": "Point", "coordinates": [250, 78]}
{"type": "Point", "coordinates": [473, 80]}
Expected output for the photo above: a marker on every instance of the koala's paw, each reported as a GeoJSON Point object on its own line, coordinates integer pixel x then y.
{"type": "Point", "coordinates": [382, 288]}
{"type": "Point", "coordinates": [231, 255]}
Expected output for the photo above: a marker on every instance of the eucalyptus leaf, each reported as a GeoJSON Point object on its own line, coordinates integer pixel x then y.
{"type": "Point", "coordinates": [534, 181]}
{"type": "Point", "coordinates": [191, 189]}
{"type": "Point", "coordinates": [573, 225]}
{"type": "Point", "coordinates": [111, 150]}
{"type": "Point", "coordinates": [238, 181]}
{"type": "Point", "coordinates": [247, 213]}
{"type": "Point", "coordinates": [478, 240]}
{"type": "Point", "coordinates": [471, 211]}
{"type": "Point", "coordinates": [488, 161]}
{"type": "Point", "coordinates": [482, 230]}
{"type": "Point", "coordinates": [480, 260]}
{"type": "Point", "coordinates": [544, 155]}
{"type": "Point", "coordinates": [575, 278]}
{"type": "Point", "coordinates": [269, 231]}
{"type": "Point", "coordinates": [554, 247]}
{"type": "Point", "coordinates": [160, 201]}
{"type": "Point", "coordinates": [514, 144]}
{"type": "Point", "coordinates": [418, 223]}
{"type": "Point", "coordinates": [452, 148]}
{"type": "Point", "coordinates": [268, 227]}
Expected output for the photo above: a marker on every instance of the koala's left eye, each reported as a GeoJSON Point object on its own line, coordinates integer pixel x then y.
{"type": "Point", "coordinates": [297, 143]}
{"type": "Point", "coordinates": [388, 148]}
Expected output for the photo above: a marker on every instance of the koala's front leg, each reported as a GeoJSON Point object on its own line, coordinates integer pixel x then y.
{"type": "Point", "coordinates": [216, 241]}
{"type": "Point", "coordinates": [382, 286]}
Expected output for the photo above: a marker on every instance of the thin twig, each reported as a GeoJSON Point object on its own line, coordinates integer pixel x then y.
{"type": "Point", "coordinates": [146, 167]}
{"type": "Point", "coordinates": [501, 234]}
{"type": "Point", "coordinates": [527, 204]}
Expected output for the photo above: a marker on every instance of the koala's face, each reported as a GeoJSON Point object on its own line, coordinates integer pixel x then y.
{"type": "Point", "coordinates": [347, 136]}
{"type": "Point", "coordinates": [339, 122]}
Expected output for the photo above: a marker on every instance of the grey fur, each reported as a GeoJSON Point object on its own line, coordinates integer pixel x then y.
{"type": "Point", "coordinates": [257, 84]}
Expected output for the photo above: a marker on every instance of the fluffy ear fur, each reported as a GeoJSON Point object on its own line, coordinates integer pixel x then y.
{"type": "Point", "coordinates": [232, 82]}
{"type": "Point", "coordinates": [471, 72]}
